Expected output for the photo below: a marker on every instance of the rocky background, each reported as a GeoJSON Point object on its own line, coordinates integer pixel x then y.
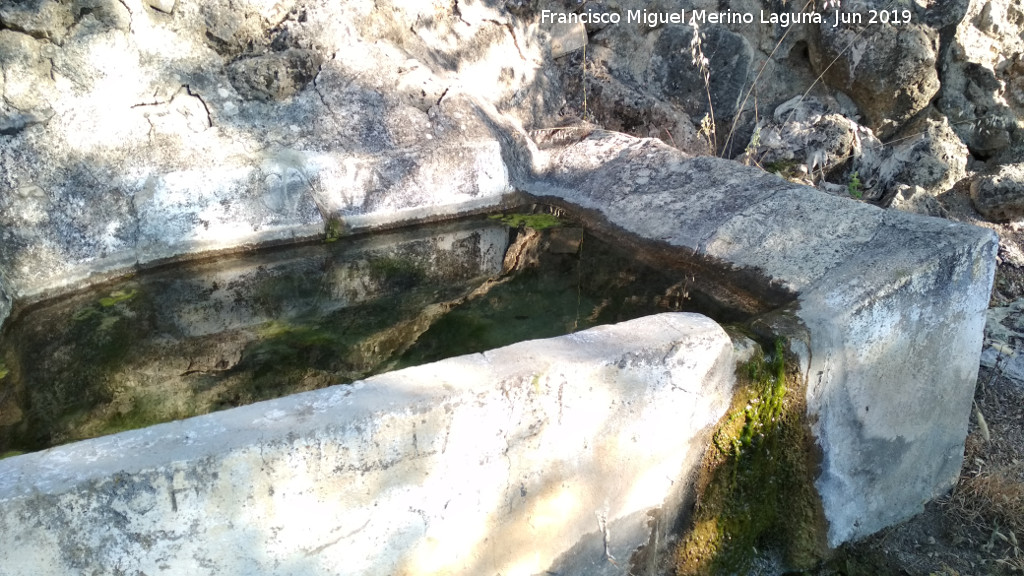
{"type": "Point", "coordinates": [911, 107]}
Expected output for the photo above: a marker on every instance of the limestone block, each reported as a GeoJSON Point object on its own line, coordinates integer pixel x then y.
{"type": "Point", "coordinates": [40, 18]}
{"type": "Point", "coordinates": [915, 199]}
{"type": "Point", "coordinates": [552, 454]}
{"type": "Point", "coordinates": [26, 69]}
{"type": "Point", "coordinates": [1000, 196]}
{"type": "Point", "coordinates": [894, 361]}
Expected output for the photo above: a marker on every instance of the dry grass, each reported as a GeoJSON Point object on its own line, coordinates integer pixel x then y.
{"type": "Point", "coordinates": [978, 528]}
{"type": "Point", "coordinates": [988, 500]}
{"type": "Point", "coordinates": [992, 498]}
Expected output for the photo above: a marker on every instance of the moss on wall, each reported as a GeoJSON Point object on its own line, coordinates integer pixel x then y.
{"type": "Point", "coordinates": [756, 498]}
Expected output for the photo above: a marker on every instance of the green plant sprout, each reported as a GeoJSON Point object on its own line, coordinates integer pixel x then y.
{"type": "Point", "coordinates": [854, 186]}
{"type": "Point", "coordinates": [334, 229]}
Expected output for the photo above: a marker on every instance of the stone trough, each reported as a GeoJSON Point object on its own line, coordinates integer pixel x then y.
{"type": "Point", "coordinates": [567, 455]}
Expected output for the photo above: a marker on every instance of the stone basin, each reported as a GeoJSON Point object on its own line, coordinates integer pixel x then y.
{"type": "Point", "coordinates": [884, 311]}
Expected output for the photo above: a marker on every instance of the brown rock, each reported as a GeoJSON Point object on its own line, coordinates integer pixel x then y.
{"type": "Point", "coordinates": [1000, 196]}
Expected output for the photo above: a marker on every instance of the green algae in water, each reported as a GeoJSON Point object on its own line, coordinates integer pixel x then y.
{"type": "Point", "coordinates": [539, 221]}
{"type": "Point", "coordinates": [117, 296]}
{"type": "Point", "coordinates": [200, 337]}
{"type": "Point", "coordinates": [563, 294]}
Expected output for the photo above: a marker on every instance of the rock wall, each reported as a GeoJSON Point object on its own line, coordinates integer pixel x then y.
{"type": "Point", "coordinates": [136, 131]}
{"type": "Point", "coordinates": [935, 84]}
{"type": "Point", "coordinates": [132, 131]}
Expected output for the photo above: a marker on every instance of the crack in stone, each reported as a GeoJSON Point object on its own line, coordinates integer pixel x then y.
{"type": "Point", "coordinates": [316, 88]}
{"type": "Point", "coordinates": [131, 16]}
{"type": "Point", "coordinates": [321, 548]}
{"type": "Point", "coordinates": [209, 117]}
{"type": "Point", "coordinates": [512, 32]}
{"type": "Point", "coordinates": [457, 12]}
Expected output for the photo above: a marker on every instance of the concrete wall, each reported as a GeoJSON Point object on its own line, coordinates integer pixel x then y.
{"type": "Point", "coordinates": [508, 462]}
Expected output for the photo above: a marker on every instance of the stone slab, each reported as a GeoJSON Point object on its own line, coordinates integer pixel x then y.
{"type": "Point", "coordinates": [500, 462]}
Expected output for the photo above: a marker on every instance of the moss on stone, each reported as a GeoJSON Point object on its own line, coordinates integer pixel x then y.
{"type": "Point", "coordinates": [334, 229]}
{"type": "Point", "coordinates": [117, 296]}
{"type": "Point", "coordinates": [395, 272]}
{"type": "Point", "coordinates": [756, 494]}
{"type": "Point", "coordinates": [141, 412]}
{"type": "Point", "coordinates": [541, 221]}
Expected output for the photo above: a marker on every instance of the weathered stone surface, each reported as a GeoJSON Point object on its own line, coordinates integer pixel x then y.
{"type": "Point", "coordinates": [930, 156]}
{"type": "Point", "coordinates": [108, 13]}
{"type": "Point", "coordinates": [499, 462]}
{"type": "Point", "coordinates": [886, 453]}
{"type": "Point", "coordinates": [1000, 196]}
{"type": "Point", "coordinates": [39, 18]}
{"type": "Point", "coordinates": [808, 137]}
{"type": "Point", "coordinates": [566, 38]}
{"type": "Point", "coordinates": [616, 105]}
{"type": "Point", "coordinates": [916, 200]}
{"type": "Point", "coordinates": [893, 305]}
{"type": "Point", "coordinates": [26, 68]}
{"type": "Point", "coordinates": [982, 90]}
{"type": "Point", "coordinates": [813, 138]}
{"type": "Point", "coordinates": [221, 124]}
{"type": "Point", "coordinates": [682, 83]}
{"type": "Point", "coordinates": [1004, 338]}
{"type": "Point", "coordinates": [888, 70]}
{"type": "Point", "coordinates": [274, 76]}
